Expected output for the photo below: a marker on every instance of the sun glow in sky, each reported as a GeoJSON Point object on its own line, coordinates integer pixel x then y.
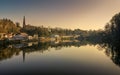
{"type": "Point", "coordinates": [72, 14]}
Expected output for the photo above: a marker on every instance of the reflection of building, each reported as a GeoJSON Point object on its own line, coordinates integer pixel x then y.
{"type": "Point", "coordinates": [26, 48]}
{"type": "Point", "coordinates": [24, 23]}
{"type": "Point", "coordinates": [23, 56]}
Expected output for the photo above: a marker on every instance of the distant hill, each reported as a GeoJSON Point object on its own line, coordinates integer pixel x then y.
{"type": "Point", "coordinates": [8, 26]}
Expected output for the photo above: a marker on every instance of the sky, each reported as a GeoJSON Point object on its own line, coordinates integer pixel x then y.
{"type": "Point", "coordinates": [71, 14]}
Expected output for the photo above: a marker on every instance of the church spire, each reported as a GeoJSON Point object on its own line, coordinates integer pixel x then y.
{"type": "Point", "coordinates": [24, 24]}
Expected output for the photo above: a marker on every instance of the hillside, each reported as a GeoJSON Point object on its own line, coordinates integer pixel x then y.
{"type": "Point", "coordinates": [8, 26]}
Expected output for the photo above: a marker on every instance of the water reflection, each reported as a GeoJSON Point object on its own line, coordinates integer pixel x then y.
{"type": "Point", "coordinates": [112, 50]}
{"type": "Point", "coordinates": [8, 51]}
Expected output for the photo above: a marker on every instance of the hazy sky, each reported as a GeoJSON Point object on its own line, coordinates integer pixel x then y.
{"type": "Point", "coordinates": [83, 14]}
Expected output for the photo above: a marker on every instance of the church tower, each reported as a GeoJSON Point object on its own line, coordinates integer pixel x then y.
{"type": "Point", "coordinates": [24, 24]}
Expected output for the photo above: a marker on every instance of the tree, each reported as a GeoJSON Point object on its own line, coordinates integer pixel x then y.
{"type": "Point", "coordinates": [17, 24]}
{"type": "Point", "coordinates": [8, 26]}
{"type": "Point", "coordinates": [113, 27]}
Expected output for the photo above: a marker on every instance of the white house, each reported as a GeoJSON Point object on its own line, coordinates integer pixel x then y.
{"type": "Point", "coordinates": [35, 36]}
{"type": "Point", "coordinates": [54, 37]}
{"type": "Point", "coordinates": [30, 37]}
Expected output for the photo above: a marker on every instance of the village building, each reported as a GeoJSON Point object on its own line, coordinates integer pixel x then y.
{"type": "Point", "coordinates": [20, 37]}
{"type": "Point", "coordinates": [55, 37]}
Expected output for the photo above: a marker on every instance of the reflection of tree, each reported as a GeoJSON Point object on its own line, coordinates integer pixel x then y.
{"type": "Point", "coordinates": [9, 51]}
{"type": "Point", "coordinates": [112, 39]}
{"type": "Point", "coordinates": [112, 50]}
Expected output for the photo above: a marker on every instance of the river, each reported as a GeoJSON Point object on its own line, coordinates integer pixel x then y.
{"type": "Point", "coordinates": [54, 59]}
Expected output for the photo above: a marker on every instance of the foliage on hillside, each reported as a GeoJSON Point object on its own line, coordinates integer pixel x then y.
{"type": "Point", "coordinates": [8, 26]}
{"type": "Point", "coordinates": [47, 31]}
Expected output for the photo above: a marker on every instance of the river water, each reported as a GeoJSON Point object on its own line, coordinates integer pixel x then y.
{"type": "Point", "coordinates": [56, 60]}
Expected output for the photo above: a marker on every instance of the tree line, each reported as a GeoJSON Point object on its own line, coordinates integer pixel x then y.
{"type": "Point", "coordinates": [8, 26]}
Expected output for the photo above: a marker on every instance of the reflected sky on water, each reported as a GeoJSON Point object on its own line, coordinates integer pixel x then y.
{"type": "Point", "coordinates": [58, 59]}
